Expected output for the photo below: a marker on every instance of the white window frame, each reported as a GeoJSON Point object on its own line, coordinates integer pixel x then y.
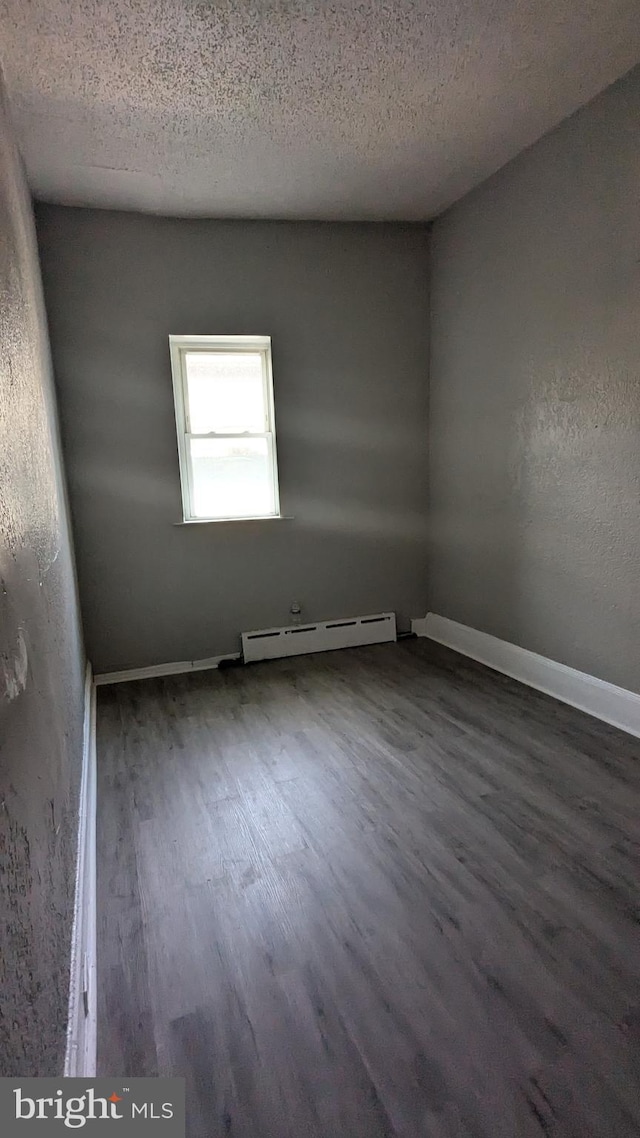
{"type": "Point", "coordinates": [179, 346]}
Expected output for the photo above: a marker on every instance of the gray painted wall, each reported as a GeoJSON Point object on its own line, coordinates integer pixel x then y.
{"type": "Point", "coordinates": [41, 662]}
{"type": "Point", "coordinates": [347, 309]}
{"type": "Point", "coordinates": [535, 397]}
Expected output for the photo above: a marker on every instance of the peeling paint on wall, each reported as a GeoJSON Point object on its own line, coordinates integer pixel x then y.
{"type": "Point", "coordinates": [13, 669]}
{"type": "Point", "coordinates": [41, 662]}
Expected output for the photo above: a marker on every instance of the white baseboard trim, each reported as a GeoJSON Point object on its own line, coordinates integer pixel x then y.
{"type": "Point", "coordinates": [173, 669]}
{"type": "Point", "coordinates": [80, 1058]}
{"type": "Point", "coordinates": [603, 700]}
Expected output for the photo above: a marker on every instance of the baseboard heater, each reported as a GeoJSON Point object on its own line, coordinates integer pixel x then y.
{"type": "Point", "coordinates": [321, 636]}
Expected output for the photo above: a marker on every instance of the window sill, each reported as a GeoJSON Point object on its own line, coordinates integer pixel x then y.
{"type": "Point", "coordinates": [234, 521]}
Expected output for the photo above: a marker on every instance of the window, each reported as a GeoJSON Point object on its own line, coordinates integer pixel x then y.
{"type": "Point", "coordinates": [223, 390]}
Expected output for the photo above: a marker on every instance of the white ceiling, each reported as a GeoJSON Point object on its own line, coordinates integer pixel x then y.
{"type": "Point", "coordinates": [375, 109]}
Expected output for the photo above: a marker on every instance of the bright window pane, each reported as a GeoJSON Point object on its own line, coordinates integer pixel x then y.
{"type": "Point", "coordinates": [225, 392]}
{"type": "Point", "coordinates": [231, 478]}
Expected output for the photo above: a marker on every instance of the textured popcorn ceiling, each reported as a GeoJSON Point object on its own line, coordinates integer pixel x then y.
{"type": "Point", "coordinates": [310, 110]}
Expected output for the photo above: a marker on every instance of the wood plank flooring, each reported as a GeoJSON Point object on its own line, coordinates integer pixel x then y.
{"type": "Point", "coordinates": [377, 892]}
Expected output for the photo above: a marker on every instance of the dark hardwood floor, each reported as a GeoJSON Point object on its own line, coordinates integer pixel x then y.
{"type": "Point", "coordinates": [382, 891]}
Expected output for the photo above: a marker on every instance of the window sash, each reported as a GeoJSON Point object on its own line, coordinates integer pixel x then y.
{"type": "Point", "coordinates": [266, 401]}
{"type": "Point", "coordinates": [180, 346]}
{"type": "Point", "coordinates": [272, 480]}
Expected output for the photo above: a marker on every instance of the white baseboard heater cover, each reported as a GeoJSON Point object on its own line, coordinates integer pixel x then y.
{"type": "Point", "coordinates": [321, 636]}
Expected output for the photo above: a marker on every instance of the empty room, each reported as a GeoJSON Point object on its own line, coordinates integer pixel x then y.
{"type": "Point", "coordinates": [320, 567]}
